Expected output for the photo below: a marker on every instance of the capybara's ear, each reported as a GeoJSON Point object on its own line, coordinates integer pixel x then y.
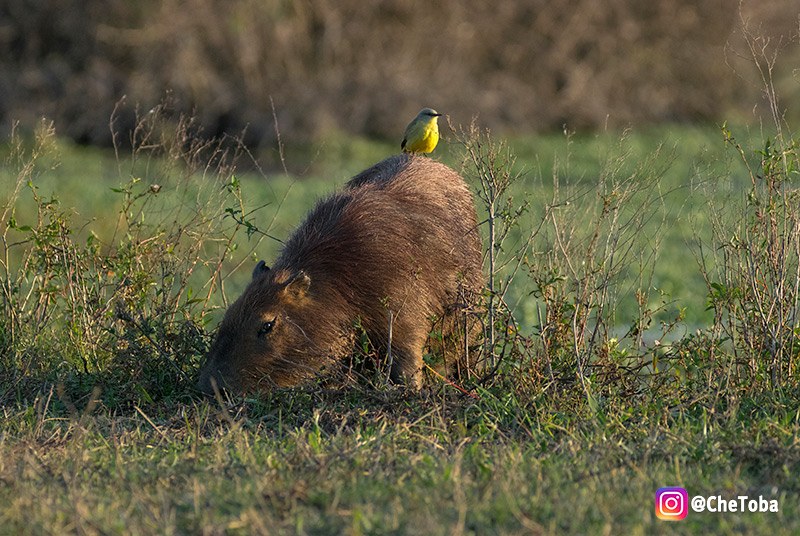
{"type": "Point", "coordinates": [298, 285]}
{"type": "Point", "coordinates": [260, 268]}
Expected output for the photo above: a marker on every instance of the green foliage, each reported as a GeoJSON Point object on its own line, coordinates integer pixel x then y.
{"type": "Point", "coordinates": [124, 303]}
{"type": "Point", "coordinates": [754, 282]}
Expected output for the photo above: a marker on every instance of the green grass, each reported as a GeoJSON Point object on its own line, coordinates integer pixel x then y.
{"type": "Point", "coordinates": [356, 463]}
{"type": "Point", "coordinates": [102, 432]}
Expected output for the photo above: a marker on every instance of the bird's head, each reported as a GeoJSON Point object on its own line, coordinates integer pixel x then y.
{"type": "Point", "coordinates": [428, 113]}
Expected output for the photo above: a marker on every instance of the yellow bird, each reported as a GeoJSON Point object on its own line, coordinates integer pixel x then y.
{"type": "Point", "coordinates": [422, 134]}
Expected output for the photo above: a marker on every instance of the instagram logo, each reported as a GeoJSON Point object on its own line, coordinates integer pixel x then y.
{"type": "Point", "coordinates": [671, 503]}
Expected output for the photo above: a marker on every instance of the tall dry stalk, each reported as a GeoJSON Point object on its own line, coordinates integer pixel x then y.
{"type": "Point", "coordinates": [489, 166]}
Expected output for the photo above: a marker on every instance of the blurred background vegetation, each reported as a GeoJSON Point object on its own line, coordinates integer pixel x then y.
{"type": "Point", "coordinates": [364, 68]}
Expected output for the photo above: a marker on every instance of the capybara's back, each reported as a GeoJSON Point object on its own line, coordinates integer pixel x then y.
{"type": "Point", "coordinates": [400, 240]}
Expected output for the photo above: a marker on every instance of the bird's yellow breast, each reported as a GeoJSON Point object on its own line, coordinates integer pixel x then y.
{"type": "Point", "coordinates": [422, 136]}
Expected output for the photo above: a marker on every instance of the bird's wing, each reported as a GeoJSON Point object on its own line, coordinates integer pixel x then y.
{"type": "Point", "coordinates": [412, 132]}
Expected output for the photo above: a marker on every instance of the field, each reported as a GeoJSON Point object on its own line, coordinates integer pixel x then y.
{"type": "Point", "coordinates": [640, 322]}
{"type": "Point", "coordinates": [646, 338]}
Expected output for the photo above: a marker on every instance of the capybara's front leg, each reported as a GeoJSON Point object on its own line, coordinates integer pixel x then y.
{"type": "Point", "coordinates": [407, 362]}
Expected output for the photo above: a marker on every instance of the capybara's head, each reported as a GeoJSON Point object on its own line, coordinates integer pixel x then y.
{"type": "Point", "coordinates": [267, 338]}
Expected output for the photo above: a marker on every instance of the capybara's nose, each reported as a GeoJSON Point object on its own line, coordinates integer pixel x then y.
{"type": "Point", "coordinates": [210, 385]}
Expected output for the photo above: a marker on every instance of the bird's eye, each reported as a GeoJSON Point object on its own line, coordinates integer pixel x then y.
{"type": "Point", "coordinates": [266, 327]}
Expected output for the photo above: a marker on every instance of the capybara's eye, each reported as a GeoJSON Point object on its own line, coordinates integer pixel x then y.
{"type": "Point", "coordinates": [266, 327]}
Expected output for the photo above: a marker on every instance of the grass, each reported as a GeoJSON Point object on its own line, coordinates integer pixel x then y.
{"type": "Point", "coordinates": [342, 462]}
{"type": "Point", "coordinates": [111, 293]}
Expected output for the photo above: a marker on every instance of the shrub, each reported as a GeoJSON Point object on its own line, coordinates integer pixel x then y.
{"type": "Point", "coordinates": [131, 305]}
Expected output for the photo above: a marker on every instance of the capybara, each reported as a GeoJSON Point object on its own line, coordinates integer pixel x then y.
{"type": "Point", "coordinates": [400, 238]}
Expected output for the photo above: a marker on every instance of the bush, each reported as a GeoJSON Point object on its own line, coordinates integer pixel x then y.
{"type": "Point", "coordinates": [128, 307]}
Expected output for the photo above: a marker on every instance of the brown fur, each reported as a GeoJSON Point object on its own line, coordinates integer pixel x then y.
{"type": "Point", "coordinates": [401, 237]}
